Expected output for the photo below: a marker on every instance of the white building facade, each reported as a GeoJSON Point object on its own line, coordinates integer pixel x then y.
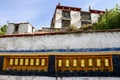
{"type": "Point", "coordinates": [66, 16]}
{"type": "Point", "coordinates": [20, 28]}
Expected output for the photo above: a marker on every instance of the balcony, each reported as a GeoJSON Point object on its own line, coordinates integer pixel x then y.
{"type": "Point", "coordinates": [66, 18]}
{"type": "Point", "coordinates": [66, 15]}
{"type": "Point", "coordinates": [86, 20]}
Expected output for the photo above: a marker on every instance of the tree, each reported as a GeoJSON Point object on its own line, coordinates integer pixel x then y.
{"type": "Point", "coordinates": [3, 30]}
{"type": "Point", "coordinates": [110, 20]}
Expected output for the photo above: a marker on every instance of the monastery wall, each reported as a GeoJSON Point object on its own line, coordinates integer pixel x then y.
{"type": "Point", "coordinates": [62, 41]}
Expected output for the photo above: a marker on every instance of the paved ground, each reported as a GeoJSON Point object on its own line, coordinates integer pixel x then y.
{"type": "Point", "coordinates": [52, 78]}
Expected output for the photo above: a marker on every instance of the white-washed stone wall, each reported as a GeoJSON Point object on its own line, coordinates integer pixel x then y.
{"type": "Point", "coordinates": [64, 41]}
{"type": "Point", "coordinates": [53, 78]}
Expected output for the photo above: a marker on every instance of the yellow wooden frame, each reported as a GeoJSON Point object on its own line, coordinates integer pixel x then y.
{"type": "Point", "coordinates": [59, 63]}
{"type": "Point", "coordinates": [74, 62]}
{"type": "Point", "coordinates": [11, 62]}
{"type": "Point", "coordinates": [16, 61]}
{"type": "Point", "coordinates": [98, 62]}
{"type": "Point", "coordinates": [106, 62]}
{"type": "Point", "coordinates": [21, 62]}
{"type": "Point", "coordinates": [42, 62]}
{"type": "Point", "coordinates": [82, 63]}
{"type": "Point", "coordinates": [26, 62]}
{"type": "Point", "coordinates": [37, 62]}
{"type": "Point", "coordinates": [67, 63]}
{"type": "Point", "coordinates": [90, 62]}
{"type": "Point", "coordinates": [31, 62]}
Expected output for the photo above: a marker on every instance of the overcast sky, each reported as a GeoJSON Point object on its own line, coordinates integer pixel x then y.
{"type": "Point", "coordinates": [39, 12]}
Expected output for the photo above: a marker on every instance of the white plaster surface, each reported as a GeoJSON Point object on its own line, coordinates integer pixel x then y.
{"type": "Point", "coordinates": [94, 17]}
{"type": "Point", "coordinates": [10, 29]}
{"type": "Point", "coordinates": [75, 18]}
{"type": "Point", "coordinates": [53, 78]}
{"type": "Point", "coordinates": [58, 16]}
{"type": "Point", "coordinates": [65, 41]}
{"type": "Point", "coordinates": [23, 28]}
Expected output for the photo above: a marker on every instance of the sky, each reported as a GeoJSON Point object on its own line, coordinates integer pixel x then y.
{"type": "Point", "coordinates": [40, 12]}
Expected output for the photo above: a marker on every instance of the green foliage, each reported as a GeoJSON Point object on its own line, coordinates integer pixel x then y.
{"type": "Point", "coordinates": [110, 20]}
{"type": "Point", "coordinates": [3, 30]}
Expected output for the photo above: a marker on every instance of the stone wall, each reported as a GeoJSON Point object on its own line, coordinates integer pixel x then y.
{"type": "Point", "coordinates": [62, 41]}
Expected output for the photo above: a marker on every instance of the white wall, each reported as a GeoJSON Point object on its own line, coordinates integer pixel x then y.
{"type": "Point", "coordinates": [75, 18]}
{"type": "Point", "coordinates": [10, 29]}
{"type": "Point", "coordinates": [29, 28]}
{"type": "Point", "coordinates": [58, 16]}
{"type": "Point", "coordinates": [53, 78]}
{"type": "Point", "coordinates": [65, 41]}
{"type": "Point", "coordinates": [23, 28]}
{"type": "Point", "coordinates": [94, 17]}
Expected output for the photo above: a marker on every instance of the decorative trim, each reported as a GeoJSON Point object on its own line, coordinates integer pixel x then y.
{"type": "Point", "coordinates": [97, 11]}
{"type": "Point", "coordinates": [68, 8]}
{"type": "Point", "coordinates": [66, 50]}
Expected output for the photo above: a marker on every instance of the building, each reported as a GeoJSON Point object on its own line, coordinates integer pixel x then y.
{"type": "Point", "coordinates": [66, 16]}
{"type": "Point", "coordinates": [20, 28]}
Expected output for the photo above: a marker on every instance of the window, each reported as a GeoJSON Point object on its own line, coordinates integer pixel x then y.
{"type": "Point", "coordinates": [67, 63]}
{"type": "Point", "coordinates": [90, 62]}
{"type": "Point", "coordinates": [98, 62]}
{"type": "Point", "coordinates": [16, 61]}
{"type": "Point", "coordinates": [26, 61]}
{"type": "Point", "coordinates": [82, 63]}
{"type": "Point", "coordinates": [21, 61]}
{"type": "Point", "coordinates": [37, 62]}
{"type": "Point", "coordinates": [85, 15]}
{"type": "Point", "coordinates": [16, 28]}
{"type": "Point", "coordinates": [11, 62]}
{"type": "Point", "coordinates": [85, 22]}
{"type": "Point", "coordinates": [74, 62]}
{"type": "Point", "coordinates": [66, 14]}
{"type": "Point", "coordinates": [42, 62]}
{"type": "Point", "coordinates": [65, 23]}
{"type": "Point", "coordinates": [59, 63]}
{"type": "Point", "coordinates": [31, 62]}
{"type": "Point", "coordinates": [106, 62]}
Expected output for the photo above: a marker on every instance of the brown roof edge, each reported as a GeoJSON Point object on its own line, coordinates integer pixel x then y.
{"type": "Point", "coordinates": [59, 33]}
{"type": "Point", "coordinates": [96, 11]}
{"type": "Point", "coordinates": [68, 7]}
